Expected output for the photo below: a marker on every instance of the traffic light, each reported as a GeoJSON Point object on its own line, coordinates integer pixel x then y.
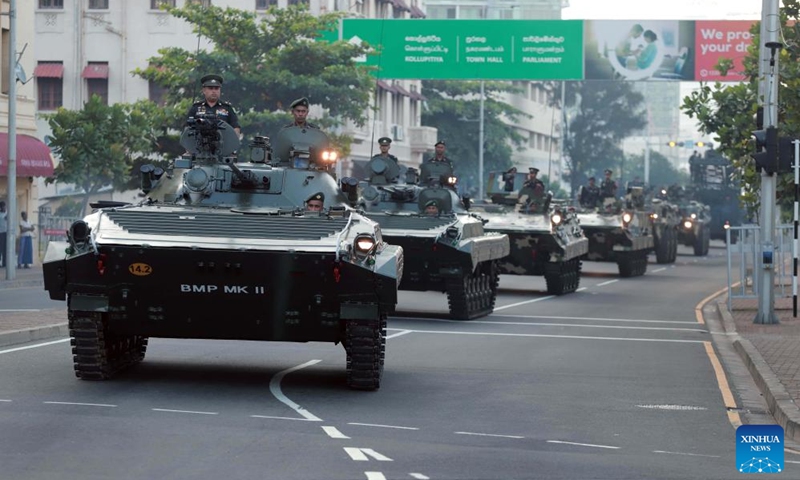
{"type": "Point", "coordinates": [774, 154]}
{"type": "Point", "coordinates": [700, 144]}
{"type": "Point", "coordinates": [673, 143]}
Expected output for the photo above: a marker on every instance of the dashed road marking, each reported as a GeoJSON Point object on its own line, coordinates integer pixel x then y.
{"type": "Point", "coordinates": [609, 282]}
{"type": "Point", "coordinates": [169, 410]}
{"type": "Point", "coordinates": [282, 418]}
{"type": "Point", "coordinates": [361, 454]}
{"type": "Point", "coordinates": [588, 319]}
{"type": "Point", "coordinates": [28, 347]}
{"type": "Point", "coordinates": [375, 476]}
{"type": "Point", "coordinates": [583, 444]}
{"type": "Point", "coordinates": [581, 289]}
{"type": "Point", "coordinates": [4, 400]}
{"type": "Point", "coordinates": [543, 324]}
{"type": "Point", "coordinates": [419, 476]}
{"type": "Point", "coordinates": [687, 454]}
{"type": "Point", "coordinates": [671, 407]}
{"type": "Point", "coordinates": [398, 334]}
{"type": "Point", "coordinates": [19, 310]}
{"type": "Point", "coordinates": [659, 270]}
{"type": "Point", "coordinates": [275, 389]}
{"type": "Point", "coordinates": [333, 432]}
{"type": "Point", "coordinates": [82, 404]}
{"type": "Point", "coordinates": [574, 337]}
{"type": "Point", "coordinates": [488, 435]}
{"type": "Point", "coordinates": [382, 426]}
{"type": "Point", "coordinates": [524, 303]}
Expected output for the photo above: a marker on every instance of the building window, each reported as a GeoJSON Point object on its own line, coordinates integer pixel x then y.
{"type": "Point", "coordinates": [96, 75]}
{"type": "Point", "coordinates": [265, 4]}
{"type": "Point", "coordinates": [204, 3]}
{"type": "Point", "coordinates": [156, 4]}
{"type": "Point", "coordinates": [297, 2]}
{"type": "Point", "coordinates": [470, 13]}
{"type": "Point", "coordinates": [98, 4]}
{"type": "Point", "coordinates": [50, 85]}
{"type": "Point", "coordinates": [51, 3]}
{"type": "Point", "coordinates": [439, 13]}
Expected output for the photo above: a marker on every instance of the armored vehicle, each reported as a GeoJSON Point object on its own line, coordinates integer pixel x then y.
{"type": "Point", "coordinates": [695, 228]}
{"type": "Point", "coordinates": [713, 184]}
{"type": "Point", "coordinates": [222, 249]}
{"type": "Point", "coordinates": [446, 248]}
{"type": "Point", "coordinates": [546, 240]}
{"type": "Point", "coordinates": [665, 219]}
{"type": "Point", "coordinates": [619, 232]}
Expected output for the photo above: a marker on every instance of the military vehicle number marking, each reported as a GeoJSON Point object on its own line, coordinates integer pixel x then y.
{"type": "Point", "coordinates": [140, 269]}
{"type": "Point", "coordinates": [225, 289]}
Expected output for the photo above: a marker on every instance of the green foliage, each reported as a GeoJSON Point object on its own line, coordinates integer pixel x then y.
{"type": "Point", "coordinates": [453, 107]}
{"type": "Point", "coordinates": [606, 113]}
{"type": "Point", "coordinates": [555, 187]}
{"type": "Point", "coordinates": [69, 208]}
{"type": "Point", "coordinates": [728, 110]}
{"type": "Point", "coordinates": [267, 62]}
{"type": "Point", "coordinates": [98, 144]}
{"type": "Point", "coordinates": [662, 173]}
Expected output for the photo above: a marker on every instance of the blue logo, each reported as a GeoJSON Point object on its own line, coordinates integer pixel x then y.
{"type": "Point", "coordinates": [759, 449]}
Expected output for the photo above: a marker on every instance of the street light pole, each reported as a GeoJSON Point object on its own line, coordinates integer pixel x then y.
{"type": "Point", "coordinates": [480, 145]}
{"type": "Point", "coordinates": [11, 212]}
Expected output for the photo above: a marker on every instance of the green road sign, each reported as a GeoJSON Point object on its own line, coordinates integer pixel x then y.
{"type": "Point", "coordinates": [471, 49]}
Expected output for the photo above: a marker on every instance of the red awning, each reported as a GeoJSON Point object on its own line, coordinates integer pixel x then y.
{"type": "Point", "coordinates": [49, 70]}
{"type": "Point", "coordinates": [417, 96]}
{"type": "Point", "coordinates": [33, 157]}
{"type": "Point", "coordinates": [386, 86]}
{"type": "Point", "coordinates": [95, 70]}
{"type": "Point", "coordinates": [401, 90]}
{"type": "Point", "coordinates": [400, 4]}
{"type": "Point", "coordinates": [416, 12]}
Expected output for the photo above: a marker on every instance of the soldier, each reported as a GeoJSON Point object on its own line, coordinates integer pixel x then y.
{"type": "Point", "coordinates": [534, 189]}
{"type": "Point", "coordinates": [508, 179]}
{"type": "Point", "coordinates": [431, 208]}
{"type": "Point", "coordinates": [385, 144]}
{"type": "Point", "coordinates": [608, 189]}
{"type": "Point", "coordinates": [590, 194]}
{"type": "Point", "coordinates": [212, 88]}
{"type": "Point", "coordinates": [432, 167]}
{"type": "Point", "coordinates": [300, 113]}
{"type": "Point", "coordinates": [636, 182]}
{"type": "Point", "coordinates": [440, 147]}
{"type": "Point", "coordinates": [315, 202]}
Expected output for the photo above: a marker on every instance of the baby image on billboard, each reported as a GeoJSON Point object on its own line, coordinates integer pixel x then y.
{"type": "Point", "coordinates": [639, 49]}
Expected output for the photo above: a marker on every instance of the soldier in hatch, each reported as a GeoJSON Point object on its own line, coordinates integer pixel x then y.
{"type": "Point", "coordinates": [533, 189]}
{"type": "Point", "coordinates": [590, 194]}
{"type": "Point", "coordinates": [299, 110]}
{"type": "Point", "coordinates": [431, 208]}
{"type": "Point", "coordinates": [608, 189]}
{"type": "Point", "coordinates": [315, 202]}
{"type": "Point", "coordinates": [385, 144]}
{"type": "Point", "coordinates": [212, 90]}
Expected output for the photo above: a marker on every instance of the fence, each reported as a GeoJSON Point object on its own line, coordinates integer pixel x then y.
{"type": "Point", "coordinates": [52, 227]}
{"type": "Point", "coordinates": [745, 261]}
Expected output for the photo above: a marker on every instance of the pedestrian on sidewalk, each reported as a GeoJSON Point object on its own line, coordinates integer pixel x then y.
{"type": "Point", "coordinates": [3, 233]}
{"type": "Point", "coordinates": [25, 258]}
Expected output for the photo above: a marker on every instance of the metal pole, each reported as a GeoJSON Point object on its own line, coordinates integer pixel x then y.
{"type": "Point", "coordinates": [480, 145]}
{"type": "Point", "coordinates": [12, 214]}
{"type": "Point", "coordinates": [768, 97]}
{"type": "Point", "coordinates": [796, 222]}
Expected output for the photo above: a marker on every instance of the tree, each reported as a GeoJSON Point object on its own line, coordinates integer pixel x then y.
{"type": "Point", "coordinates": [453, 107]}
{"type": "Point", "coordinates": [266, 63]}
{"type": "Point", "coordinates": [555, 187]}
{"type": "Point", "coordinates": [97, 145]}
{"type": "Point", "coordinates": [606, 113]}
{"type": "Point", "coordinates": [662, 173]}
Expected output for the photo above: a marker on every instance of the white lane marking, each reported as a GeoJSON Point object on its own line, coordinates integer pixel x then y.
{"type": "Point", "coordinates": [333, 432]}
{"type": "Point", "coordinates": [375, 476]}
{"type": "Point", "coordinates": [19, 349]}
{"type": "Point", "coordinates": [4, 400]}
{"type": "Point", "coordinates": [382, 426]}
{"type": "Point", "coordinates": [282, 418]}
{"type": "Point", "coordinates": [583, 444]}
{"type": "Point", "coordinates": [607, 283]}
{"type": "Point", "coordinates": [577, 337]}
{"type": "Point", "coordinates": [524, 303]}
{"type": "Point", "coordinates": [659, 270]}
{"type": "Point", "coordinates": [419, 476]}
{"type": "Point", "coordinates": [169, 410]}
{"type": "Point", "coordinates": [790, 461]}
{"type": "Point", "coordinates": [487, 435]}
{"type": "Point", "coordinates": [581, 289]}
{"type": "Point", "coordinates": [687, 454]}
{"type": "Point", "coordinates": [275, 389]}
{"type": "Point", "coordinates": [82, 404]}
{"type": "Point", "coordinates": [589, 319]}
{"type": "Point", "coordinates": [12, 310]}
{"type": "Point", "coordinates": [398, 334]}
{"type": "Point", "coordinates": [672, 407]}
{"type": "Point", "coordinates": [543, 324]}
{"type": "Point", "coordinates": [360, 454]}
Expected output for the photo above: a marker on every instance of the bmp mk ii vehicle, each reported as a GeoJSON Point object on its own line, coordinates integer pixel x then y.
{"type": "Point", "coordinates": [617, 234]}
{"type": "Point", "coordinates": [545, 239]}
{"type": "Point", "coordinates": [446, 248]}
{"type": "Point", "coordinates": [665, 219]}
{"type": "Point", "coordinates": [224, 250]}
{"type": "Point", "coordinates": [713, 184]}
{"type": "Point", "coordinates": [694, 230]}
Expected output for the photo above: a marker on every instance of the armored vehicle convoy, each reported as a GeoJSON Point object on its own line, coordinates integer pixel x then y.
{"type": "Point", "coordinates": [222, 249]}
{"type": "Point", "coordinates": [713, 184]}
{"type": "Point", "coordinates": [546, 240]}
{"type": "Point", "coordinates": [446, 248]}
{"type": "Point", "coordinates": [618, 232]}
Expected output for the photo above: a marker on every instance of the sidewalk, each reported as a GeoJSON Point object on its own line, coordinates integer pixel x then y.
{"type": "Point", "coordinates": [771, 352]}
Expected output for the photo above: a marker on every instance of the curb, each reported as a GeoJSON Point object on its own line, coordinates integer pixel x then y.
{"type": "Point", "coordinates": [780, 405]}
{"type": "Point", "coordinates": [33, 334]}
{"type": "Point", "coordinates": [21, 283]}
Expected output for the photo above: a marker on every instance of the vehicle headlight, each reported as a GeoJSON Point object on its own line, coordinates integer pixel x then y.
{"type": "Point", "coordinates": [694, 215]}
{"type": "Point", "coordinates": [364, 244]}
{"type": "Point", "coordinates": [727, 225]}
{"type": "Point", "coordinates": [627, 217]}
{"type": "Point", "coordinates": [687, 224]}
{"type": "Point", "coordinates": [556, 219]}
{"type": "Point", "coordinates": [654, 216]}
{"type": "Point", "coordinates": [329, 156]}
{"type": "Point", "coordinates": [79, 231]}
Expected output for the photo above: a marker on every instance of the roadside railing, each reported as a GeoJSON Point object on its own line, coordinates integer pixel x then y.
{"type": "Point", "coordinates": [745, 261]}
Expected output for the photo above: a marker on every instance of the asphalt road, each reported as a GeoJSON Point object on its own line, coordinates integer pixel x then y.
{"type": "Point", "coordinates": [611, 382]}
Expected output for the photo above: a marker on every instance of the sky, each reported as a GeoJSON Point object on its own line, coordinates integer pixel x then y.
{"type": "Point", "coordinates": [661, 9]}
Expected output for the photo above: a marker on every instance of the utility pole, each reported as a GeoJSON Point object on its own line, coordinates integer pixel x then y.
{"type": "Point", "coordinates": [768, 74]}
{"type": "Point", "coordinates": [11, 215]}
{"type": "Point", "coordinates": [480, 145]}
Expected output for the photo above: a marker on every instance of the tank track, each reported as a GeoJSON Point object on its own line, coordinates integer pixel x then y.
{"type": "Point", "coordinates": [666, 245]}
{"type": "Point", "coordinates": [97, 354]}
{"type": "Point", "coordinates": [475, 294]}
{"type": "Point", "coordinates": [563, 277]}
{"type": "Point", "coordinates": [365, 344]}
{"type": "Point", "coordinates": [632, 264]}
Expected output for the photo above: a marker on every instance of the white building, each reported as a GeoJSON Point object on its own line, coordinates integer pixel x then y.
{"type": "Point", "coordinates": [87, 47]}
{"type": "Point", "coordinates": [542, 130]}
